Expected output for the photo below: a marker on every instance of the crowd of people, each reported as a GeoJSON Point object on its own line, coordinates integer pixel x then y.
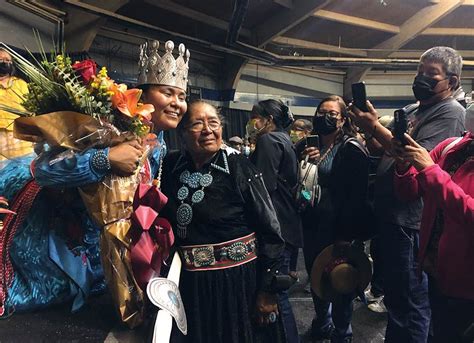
{"type": "Point", "coordinates": [238, 224]}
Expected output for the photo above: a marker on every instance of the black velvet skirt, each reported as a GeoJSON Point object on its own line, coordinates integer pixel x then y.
{"type": "Point", "coordinates": [220, 307]}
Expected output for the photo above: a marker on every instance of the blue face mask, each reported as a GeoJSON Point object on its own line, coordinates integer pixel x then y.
{"type": "Point", "coordinates": [246, 150]}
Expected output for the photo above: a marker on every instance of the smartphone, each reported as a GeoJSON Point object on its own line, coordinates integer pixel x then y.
{"type": "Point", "coordinates": [400, 125]}
{"type": "Point", "coordinates": [360, 96]}
{"type": "Point", "coordinates": [312, 141]}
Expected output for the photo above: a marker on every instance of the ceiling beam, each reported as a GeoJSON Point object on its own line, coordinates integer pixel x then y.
{"type": "Point", "coordinates": [415, 25]}
{"type": "Point", "coordinates": [284, 3]}
{"type": "Point", "coordinates": [403, 54]}
{"type": "Point", "coordinates": [187, 12]}
{"type": "Point", "coordinates": [356, 21]}
{"type": "Point", "coordinates": [319, 46]}
{"type": "Point", "coordinates": [138, 38]}
{"type": "Point", "coordinates": [231, 71]}
{"type": "Point", "coordinates": [448, 31]}
{"type": "Point", "coordinates": [81, 27]}
{"type": "Point", "coordinates": [410, 29]}
{"type": "Point", "coordinates": [417, 53]}
{"type": "Point", "coordinates": [285, 19]}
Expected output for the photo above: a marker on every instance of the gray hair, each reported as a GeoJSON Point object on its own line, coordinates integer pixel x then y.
{"type": "Point", "coordinates": [448, 57]}
{"type": "Point", "coordinates": [306, 124]}
{"type": "Point", "coordinates": [185, 120]}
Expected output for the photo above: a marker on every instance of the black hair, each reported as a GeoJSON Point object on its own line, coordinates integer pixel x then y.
{"type": "Point", "coordinates": [282, 116]}
{"type": "Point", "coordinates": [145, 87]}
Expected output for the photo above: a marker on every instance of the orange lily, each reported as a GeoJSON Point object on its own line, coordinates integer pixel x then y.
{"type": "Point", "coordinates": [127, 102]}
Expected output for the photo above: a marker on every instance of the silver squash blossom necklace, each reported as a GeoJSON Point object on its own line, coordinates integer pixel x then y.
{"type": "Point", "coordinates": [193, 184]}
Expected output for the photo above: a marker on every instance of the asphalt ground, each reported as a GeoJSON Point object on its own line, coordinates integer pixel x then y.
{"type": "Point", "coordinates": [97, 321]}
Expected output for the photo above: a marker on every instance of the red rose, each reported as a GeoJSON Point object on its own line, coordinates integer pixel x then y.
{"type": "Point", "coordinates": [86, 69]}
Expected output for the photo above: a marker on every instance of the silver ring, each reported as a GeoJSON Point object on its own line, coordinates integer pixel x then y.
{"type": "Point", "coordinates": [272, 317]}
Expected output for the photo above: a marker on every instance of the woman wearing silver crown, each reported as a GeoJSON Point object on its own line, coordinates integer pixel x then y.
{"type": "Point", "coordinates": [221, 211]}
{"type": "Point", "coordinates": [164, 82]}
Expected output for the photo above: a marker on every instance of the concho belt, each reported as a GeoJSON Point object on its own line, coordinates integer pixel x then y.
{"type": "Point", "coordinates": [221, 255]}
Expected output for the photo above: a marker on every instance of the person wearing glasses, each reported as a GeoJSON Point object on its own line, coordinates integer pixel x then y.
{"type": "Point", "coordinates": [436, 117]}
{"type": "Point", "coordinates": [343, 166]}
{"type": "Point", "coordinates": [220, 211]}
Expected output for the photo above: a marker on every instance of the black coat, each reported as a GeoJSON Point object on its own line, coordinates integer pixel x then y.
{"type": "Point", "coordinates": [275, 156]}
{"type": "Point", "coordinates": [235, 205]}
{"type": "Point", "coordinates": [352, 217]}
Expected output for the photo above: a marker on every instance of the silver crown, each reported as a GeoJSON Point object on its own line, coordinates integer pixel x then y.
{"type": "Point", "coordinates": [164, 70]}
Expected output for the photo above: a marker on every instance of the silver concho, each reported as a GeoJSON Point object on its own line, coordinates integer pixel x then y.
{"type": "Point", "coordinates": [184, 214]}
{"type": "Point", "coordinates": [203, 256]}
{"type": "Point", "coordinates": [194, 180]}
{"type": "Point", "coordinates": [164, 294]}
{"type": "Point", "coordinates": [184, 176]}
{"type": "Point", "coordinates": [237, 251]}
{"type": "Point", "coordinates": [206, 180]}
{"type": "Point", "coordinates": [183, 193]}
{"type": "Point", "coordinates": [197, 196]}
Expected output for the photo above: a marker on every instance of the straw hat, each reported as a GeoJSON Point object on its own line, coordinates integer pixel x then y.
{"type": "Point", "coordinates": [340, 270]}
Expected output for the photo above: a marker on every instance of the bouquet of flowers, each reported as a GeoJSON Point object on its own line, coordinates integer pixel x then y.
{"type": "Point", "coordinates": [75, 107]}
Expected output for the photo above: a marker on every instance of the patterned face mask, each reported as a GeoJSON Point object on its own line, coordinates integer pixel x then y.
{"type": "Point", "coordinates": [296, 135]}
{"type": "Point", "coordinates": [250, 128]}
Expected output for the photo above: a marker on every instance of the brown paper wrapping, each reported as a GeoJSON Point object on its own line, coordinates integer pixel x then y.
{"type": "Point", "coordinates": [111, 199]}
{"type": "Point", "coordinates": [70, 130]}
{"type": "Point", "coordinates": [108, 202]}
{"type": "Point", "coordinates": [127, 295]}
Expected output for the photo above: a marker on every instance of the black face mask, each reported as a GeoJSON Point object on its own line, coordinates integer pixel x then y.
{"type": "Point", "coordinates": [324, 125]}
{"type": "Point", "coordinates": [6, 68]}
{"type": "Point", "coordinates": [423, 87]}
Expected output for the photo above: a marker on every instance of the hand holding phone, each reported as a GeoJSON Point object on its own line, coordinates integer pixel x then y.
{"type": "Point", "coordinates": [312, 141]}
{"type": "Point", "coordinates": [360, 96]}
{"type": "Point", "coordinates": [400, 125]}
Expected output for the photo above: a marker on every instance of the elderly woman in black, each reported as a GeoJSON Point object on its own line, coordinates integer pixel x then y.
{"type": "Point", "coordinates": [276, 158]}
{"type": "Point", "coordinates": [220, 212]}
{"type": "Point", "coordinates": [342, 213]}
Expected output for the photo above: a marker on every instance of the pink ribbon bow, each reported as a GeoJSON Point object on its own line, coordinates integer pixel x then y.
{"type": "Point", "coordinates": [152, 236]}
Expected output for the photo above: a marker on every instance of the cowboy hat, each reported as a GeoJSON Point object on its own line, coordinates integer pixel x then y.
{"type": "Point", "coordinates": [340, 269]}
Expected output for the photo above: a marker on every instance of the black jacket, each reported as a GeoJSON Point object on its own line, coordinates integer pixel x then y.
{"type": "Point", "coordinates": [235, 205]}
{"type": "Point", "coordinates": [351, 214]}
{"type": "Point", "coordinates": [276, 158]}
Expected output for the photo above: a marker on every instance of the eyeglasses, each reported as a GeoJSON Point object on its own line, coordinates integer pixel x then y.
{"type": "Point", "coordinates": [198, 126]}
{"type": "Point", "coordinates": [333, 114]}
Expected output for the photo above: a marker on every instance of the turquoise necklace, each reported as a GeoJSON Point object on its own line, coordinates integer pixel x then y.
{"type": "Point", "coordinates": [193, 185]}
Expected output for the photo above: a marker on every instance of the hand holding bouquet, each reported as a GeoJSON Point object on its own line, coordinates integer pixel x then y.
{"type": "Point", "coordinates": [71, 106]}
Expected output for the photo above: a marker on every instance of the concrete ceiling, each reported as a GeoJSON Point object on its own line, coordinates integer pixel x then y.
{"type": "Point", "coordinates": [349, 35]}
